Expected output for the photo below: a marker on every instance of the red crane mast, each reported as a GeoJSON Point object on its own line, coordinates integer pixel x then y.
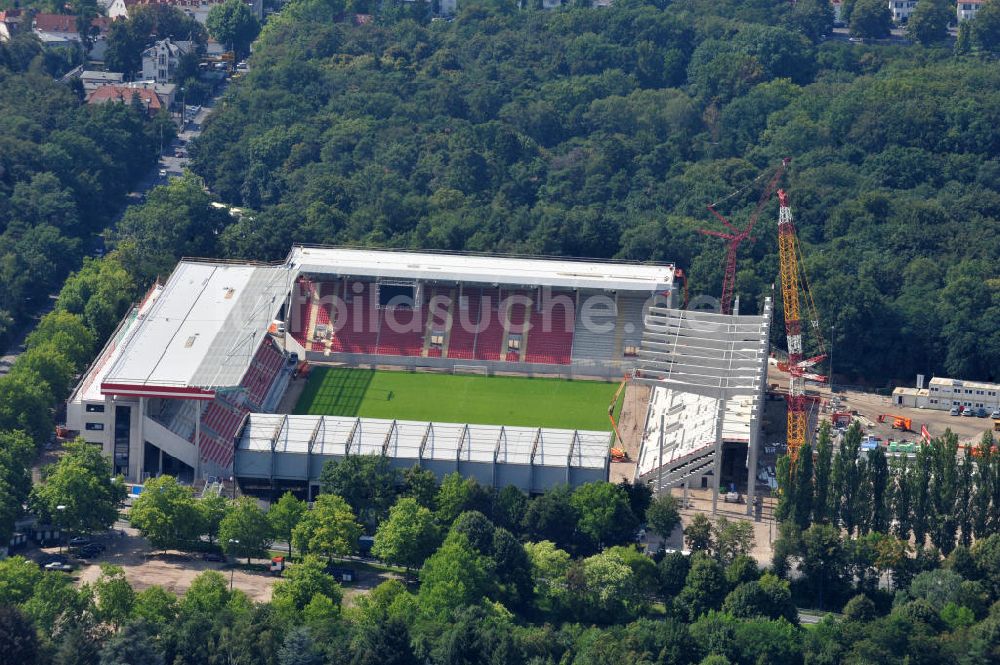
{"type": "Point", "coordinates": [737, 236]}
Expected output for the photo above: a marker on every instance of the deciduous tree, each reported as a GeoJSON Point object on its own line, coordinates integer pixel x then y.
{"type": "Point", "coordinates": [329, 528]}
{"type": "Point", "coordinates": [284, 516]}
{"type": "Point", "coordinates": [245, 531]}
{"type": "Point", "coordinates": [166, 513]}
{"type": "Point", "coordinates": [408, 537]}
{"type": "Point", "coordinates": [82, 482]}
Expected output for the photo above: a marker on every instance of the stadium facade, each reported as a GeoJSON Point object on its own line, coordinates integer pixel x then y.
{"type": "Point", "coordinates": [187, 380]}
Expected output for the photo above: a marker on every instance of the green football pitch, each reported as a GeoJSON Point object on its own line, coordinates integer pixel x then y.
{"type": "Point", "coordinates": [487, 400]}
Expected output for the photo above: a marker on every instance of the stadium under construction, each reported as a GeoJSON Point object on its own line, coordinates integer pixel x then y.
{"type": "Point", "coordinates": [193, 380]}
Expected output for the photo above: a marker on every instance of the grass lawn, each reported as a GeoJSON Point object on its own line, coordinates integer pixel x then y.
{"type": "Point", "coordinates": [487, 400]}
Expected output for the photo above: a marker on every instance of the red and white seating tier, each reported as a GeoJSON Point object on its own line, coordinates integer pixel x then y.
{"type": "Point", "coordinates": [362, 327]}
{"type": "Point", "coordinates": [222, 417]}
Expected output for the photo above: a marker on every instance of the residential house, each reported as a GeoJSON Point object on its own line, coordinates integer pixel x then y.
{"type": "Point", "coordinates": [901, 10]}
{"type": "Point", "coordinates": [196, 9]}
{"type": "Point", "coordinates": [966, 9]}
{"type": "Point", "coordinates": [60, 30]}
{"type": "Point", "coordinates": [10, 23]}
{"type": "Point", "coordinates": [160, 61]}
{"type": "Point", "coordinates": [167, 92]}
{"type": "Point", "coordinates": [124, 94]}
{"type": "Point", "coordinates": [93, 80]}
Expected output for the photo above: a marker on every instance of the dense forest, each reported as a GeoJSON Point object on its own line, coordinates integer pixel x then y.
{"type": "Point", "coordinates": [605, 133]}
{"type": "Point", "coordinates": [65, 169]}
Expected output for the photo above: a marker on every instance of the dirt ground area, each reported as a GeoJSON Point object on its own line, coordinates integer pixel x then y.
{"type": "Point", "coordinates": [700, 501]}
{"type": "Point", "coordinates": [871, 405]}
{"type": "Point", "coordinates": [172, 570]}
{"type": "Point", "coordinates": [631, 422]}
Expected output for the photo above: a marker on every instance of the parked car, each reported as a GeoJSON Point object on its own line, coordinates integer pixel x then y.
{"type": "Point", "coordinates": [955, 411]}
{"type": "Point", "coordinates": [969, 412]}
{"type": "Point", "coordinates": [59, 566]}
{"type": "Point", "coordinates": [163, 173]}
{"type": "Point", "coordinates": [995, 414]}
{"type": "Point", "coordinates": [53, 558]}
{"type": "Point", "coordinates": [79, 541]}
{"type": "Point", "coordinates": [213, 556]}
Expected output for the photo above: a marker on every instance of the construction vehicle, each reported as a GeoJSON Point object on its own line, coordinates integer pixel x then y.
{"type": "Point", "coordinates": [617, 453]}
{"type": "Point", "coordinates": [736, 236]}
{"type": "Point", "coordinates": [799, 365]}
{"type": "Point", "coordinates": [898, 422]}
{"type": "Point", "coordinates": [841, 419]}
{"type": "Point", "coordinates": [996, 425]}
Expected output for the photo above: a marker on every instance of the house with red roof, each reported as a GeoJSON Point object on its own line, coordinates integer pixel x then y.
{"type": "Point", "coordinates": [124, 94]}
{"type": "Point", "coordinates": [60, 30]}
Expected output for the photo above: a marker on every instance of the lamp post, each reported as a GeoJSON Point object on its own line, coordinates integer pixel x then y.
{"type": "Point", "coordinates": [60, 509]}
{"type": "Point", "coordinates": [232, 571]}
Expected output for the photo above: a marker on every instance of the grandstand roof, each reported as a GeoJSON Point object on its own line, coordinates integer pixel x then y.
{"type": "Point", "coordinates": [404, 439]}
{"type": "Point", "coordinates": [692, 360]}
{"type": "Point", "coordinates": [517, 271]}
{"type": "Point", "coordinates": [200, 333]}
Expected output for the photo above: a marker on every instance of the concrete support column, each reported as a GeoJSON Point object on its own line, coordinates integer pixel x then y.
{"type": "Point", "coordinates": [659, 471]}
{"type": "Point", "coordinates": [108, 442]}
{"type": "Point", "coordinates": [197, 439]}
{"type": "Point", "coordinates": [752, 462]}
{"type": "Point", "coordinates": [720, 414]}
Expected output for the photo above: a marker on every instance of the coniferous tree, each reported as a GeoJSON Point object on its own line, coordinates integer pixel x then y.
{"type": "Point", "coordinates": [852, 475]}
{"type": "Point", "coordinates": [920, 493]}
{"type": "Point", "coordinates": [803, 477]}
{"type": "Point", "coordinates": [943, 491]}
{"type": "Point", "coordinates": [983, 480]}
{"type": "Point", "coordinates": [824, 460]}
{"type": "Point", "coordinates": [902, 498]}
{"type": "Point", "coordinates": [964, 508]}
{"type": "Point", "coordinates": [878, 481]}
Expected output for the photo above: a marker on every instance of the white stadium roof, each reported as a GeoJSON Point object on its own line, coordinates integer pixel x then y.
{"type": "Point", "coordinates": [416, 440]}
{"type": "Point", "coordinates": [200, 332]}
{"type": "Point", "coordinates": [558, 273]}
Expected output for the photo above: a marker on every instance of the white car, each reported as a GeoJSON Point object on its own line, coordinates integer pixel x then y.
{"type": "Point", "coordinates": [59, 566]}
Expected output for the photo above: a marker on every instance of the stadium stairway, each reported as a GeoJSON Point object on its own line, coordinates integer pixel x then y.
{"type": "Point", "coordinates": [589, 344]}
{"type": "Point", "coordinates": [461, 341]}
{"type": "Point", "coordinates": [491, 339]}
{"type": "Point", "coordinates": [693, 465]}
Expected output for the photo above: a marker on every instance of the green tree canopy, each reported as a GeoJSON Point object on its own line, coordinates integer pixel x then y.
{"type": "Point", "coordinates": [166, 513]}
{"type": "Point", "coordinates": [408, 536]}
{"type": "Point", "coordinates": [329, 528]}
{"type": "Point", "coordinates": [871, 19]}
{"type": "Point", "coordinates": [284, 516]}
{"type": "Point", "coordinates": [82, 483]}
{"type": "Point", "coordinates": [244, 530]}
{"type": "Point", "coordinates": [233, 25]}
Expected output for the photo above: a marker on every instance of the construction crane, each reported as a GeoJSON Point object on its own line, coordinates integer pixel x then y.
{"type": "Point", "coordinates": [798, 365]}
{"type": "Point", "coordinates": [737, 236]}
{"type": "Point", "coordinates": [898, 422]}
